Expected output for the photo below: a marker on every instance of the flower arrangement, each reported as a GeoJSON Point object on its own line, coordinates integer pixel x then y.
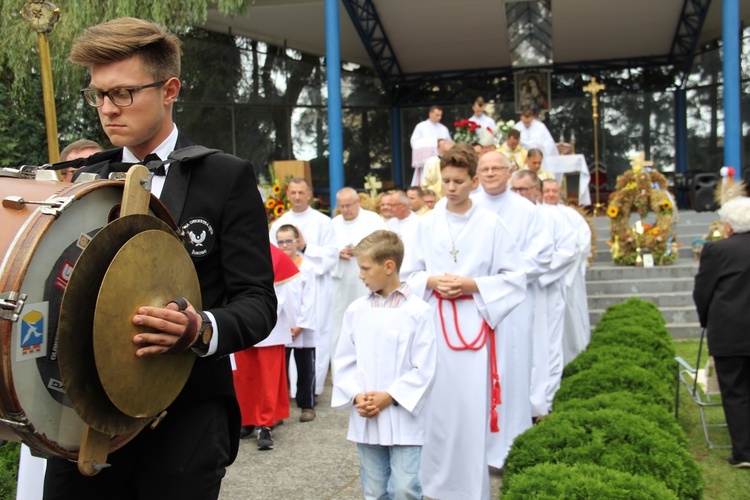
{"type": "Point", "coordinates": [466, 131]}
{"type": "Point", "coordinates": [642, 190]}
{"type": "Point", "coordinates": [274, 196]}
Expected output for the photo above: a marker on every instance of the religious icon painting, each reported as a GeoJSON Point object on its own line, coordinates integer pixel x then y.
{"type": "Point", "coordinates": [533, 91]}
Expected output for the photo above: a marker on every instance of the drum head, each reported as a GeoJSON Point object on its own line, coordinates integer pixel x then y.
{"type": "Point", "coordinates": [75, 338]}
{"type": "Point", "coordinates": [150, 269]}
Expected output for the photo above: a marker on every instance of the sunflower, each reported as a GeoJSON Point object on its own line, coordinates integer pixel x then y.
{"type": "Point", "coordinates": [270, 203]}
{"type": "Point", "coordinates": [276, 189]}
{"type": "Point", "coordinates": [666, 205]}
{"type": "Point", "coordinates": [613, 211]}
{"type": "Point", "coordinates": [279, 210]}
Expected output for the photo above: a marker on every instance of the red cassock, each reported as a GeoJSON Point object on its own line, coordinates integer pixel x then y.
{"type": "Point", "coordinates": [260, 373]}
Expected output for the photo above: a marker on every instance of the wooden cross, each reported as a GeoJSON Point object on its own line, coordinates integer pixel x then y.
{"type": "Point", "coordinates": [639, 161]}
{"type": "Point", "coordinates": [372, 184]}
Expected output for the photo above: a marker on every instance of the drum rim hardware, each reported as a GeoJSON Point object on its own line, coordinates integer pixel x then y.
{"type": "Point", "coordinates": [11, 305]}
{"type": "Point", "coordinates": [53, 206]}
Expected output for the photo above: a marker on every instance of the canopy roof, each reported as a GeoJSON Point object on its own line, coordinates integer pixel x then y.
{"type": "Point", "coordinates": [453, 35]}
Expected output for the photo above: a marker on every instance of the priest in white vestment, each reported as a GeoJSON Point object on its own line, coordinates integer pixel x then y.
{"type": "Point", "coordinates": [547, 362]}
{"type": "Point", "coordinates": [466, 271]}
{"type": "Point", "coordinates": [535, 135]}
{"type": "Point", "coordinates": [349, 228]}
{"type": "Point", "coordinates": [480, 117]}
{"type": "Point", "coordinates": [404, 223]}
{"type": "Point", "coordinates": [317, 244]}
{"type": "Point", "coordinates": [516, 332]}
{"type": "Point", "coordinates": [424, 141]}
{"type": "Point", "coordinates": [577, 326]}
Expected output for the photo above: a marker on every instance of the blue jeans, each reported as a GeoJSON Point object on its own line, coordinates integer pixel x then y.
{"type": "Point", "coordinates": [390, 472]}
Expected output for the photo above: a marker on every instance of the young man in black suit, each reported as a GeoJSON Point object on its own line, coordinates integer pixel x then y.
{"type": "Point", "coordinates": [135, 67]}
{"type": "Point", "coordinates": [722, 297]}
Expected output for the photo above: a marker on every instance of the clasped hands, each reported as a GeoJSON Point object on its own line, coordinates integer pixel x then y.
{"type": "Point", "coordinates": [371, 403]}
{"type": "Point", "coordinates": [170, 323]}
{"type": "Point", "coordinates": [450, 286]}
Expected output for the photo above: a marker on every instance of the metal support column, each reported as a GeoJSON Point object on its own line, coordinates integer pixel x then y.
{"type": "Point", "coordinates": [396, 150]}
{"type": "Point", "coordinates": [731, 68]}
{"type": "Point", "coordinates": [680, 146]}
{"type": "Point", "coordinates": [333, 72]}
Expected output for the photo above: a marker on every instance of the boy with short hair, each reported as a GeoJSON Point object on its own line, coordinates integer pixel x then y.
{"type": "Point", "coordinates": [466, 267]}
{"type": "Point", "coordinates": [383, 369]}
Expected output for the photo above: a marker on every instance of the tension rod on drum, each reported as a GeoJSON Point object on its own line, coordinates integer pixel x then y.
{"type": "Point", "coordinates": [55, 206]}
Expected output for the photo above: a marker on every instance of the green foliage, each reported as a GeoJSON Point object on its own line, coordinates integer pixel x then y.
{"type": "Point", "coordinates": [583, 482]}
{"type": "Point", "coordinates": [634, 404]}
{"type": "Point", "coordinates": [612, 439]}
{"type": "Point", "coordinates": [615, 376]}
{"type": "Point", "coordinates": [648, 339]}
{"type": "Point", "coordinates": [659, 366]}
{"type": "Point", "coordinates": [9, 456]}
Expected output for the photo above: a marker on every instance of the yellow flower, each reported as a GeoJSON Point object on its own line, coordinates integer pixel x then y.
{"type": "Point", "coordinates": [276, 189]}
{"type": "Point", "coordinates": [270, 203]}
{"type": "Point", "coordinates": [613, 211]}
{"type": "Point", "coordinates": [279, 210]}
{"type": "Point", "coordinates": [666, 205]}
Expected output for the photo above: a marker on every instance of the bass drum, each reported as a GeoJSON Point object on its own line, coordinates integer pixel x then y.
{"type": "Point", "coordinates": [40, 245]}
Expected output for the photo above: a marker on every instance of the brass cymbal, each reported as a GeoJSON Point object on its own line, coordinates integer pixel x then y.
{"type": "Point", "coordinates": [149, 270]}
{"type": "Point", "coordinates": [75, 338]}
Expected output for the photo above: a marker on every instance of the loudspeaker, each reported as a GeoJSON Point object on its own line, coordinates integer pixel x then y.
{"type": "Point", "coordinates": [704, 187]}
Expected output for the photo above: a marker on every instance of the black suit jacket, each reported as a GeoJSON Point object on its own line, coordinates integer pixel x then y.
{"type": "Point", "coordinates": [215, 200]}
{"type": "Point", "coordinates": [722, 295]}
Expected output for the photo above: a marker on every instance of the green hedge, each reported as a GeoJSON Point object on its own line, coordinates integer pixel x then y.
{"type": "Point", "coordinates": [612, 439]}
{"type": "Point", "coordinates": [584, 482]}
{"type": "Point", "coordinates": [9, 455]}
{"type": "Point", "coordinates": [648, 360]}
{"type": "Point", "coordinates": [636, 336]}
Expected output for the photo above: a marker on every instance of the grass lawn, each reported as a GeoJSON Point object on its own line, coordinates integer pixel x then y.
{"type": "Point", "coordinates": [722, 481]}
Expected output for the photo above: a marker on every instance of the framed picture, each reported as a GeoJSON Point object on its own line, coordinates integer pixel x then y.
{"type": "Point", "coordinates": [532, 91]}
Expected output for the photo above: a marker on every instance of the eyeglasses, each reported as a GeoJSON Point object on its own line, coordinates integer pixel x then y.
{"type": "Point", "coordinates": [519, 190]}
{"type": "Point", "coordinates": [286, 243]}
{"type": "Point", "coordinates": [492, 170]}
{"type": "Point", "coordinates": [119, 97]}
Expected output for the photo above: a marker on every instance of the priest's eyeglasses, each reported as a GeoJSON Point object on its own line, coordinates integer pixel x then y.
{"type": "Point", "coordinates": [286, 243]}
{"type": "Point", "coordinates": [120, 97]}
{"type": "Point", "coordinates": [519, 189]}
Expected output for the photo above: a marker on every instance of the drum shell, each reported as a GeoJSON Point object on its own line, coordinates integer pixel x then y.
{"type": "Point", "coordinates": [27, 235]}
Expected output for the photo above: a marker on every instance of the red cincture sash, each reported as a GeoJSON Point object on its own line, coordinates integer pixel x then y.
{"type": "Point", "coordinates": [485, 332]}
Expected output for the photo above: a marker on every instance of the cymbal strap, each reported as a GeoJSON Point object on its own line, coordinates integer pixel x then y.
{"type": "Point", "coordinates": [188, 337]}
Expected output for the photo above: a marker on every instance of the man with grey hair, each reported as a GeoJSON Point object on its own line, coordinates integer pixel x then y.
{"type": "Point", "coordinates": [352, 225]}
{"type": "Point", "coordinates": [722, 296]}
{"type": "Point", "coordinates": [404, 223]}
{"type": "Point", "coordinates": [518, 330]}
{"type": "Point", "coordinates": [547, 358]}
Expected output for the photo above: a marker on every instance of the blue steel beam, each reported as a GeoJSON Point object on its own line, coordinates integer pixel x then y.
{"type": "Point", "coordinates": [367, 22]}
{"type": "Point", "coordinates": [687, 36]}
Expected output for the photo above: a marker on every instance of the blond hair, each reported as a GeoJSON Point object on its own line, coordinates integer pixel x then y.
{"type": "Point", "coordinates": [381, 246]}
{"type": "Point", "coordinates": [125, 37]}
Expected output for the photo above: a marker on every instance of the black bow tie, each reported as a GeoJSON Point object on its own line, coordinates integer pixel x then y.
{"type": "Point", "coordinates": [151, 162]}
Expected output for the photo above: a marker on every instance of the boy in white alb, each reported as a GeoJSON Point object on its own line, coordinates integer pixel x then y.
{"type": "Point", "coordinates": [467, 266]}
{"type": "Point", "coordinates": [383, 369]}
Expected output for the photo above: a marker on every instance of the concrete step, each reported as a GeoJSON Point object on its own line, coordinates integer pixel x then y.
{"type": "Point", "coordinates": [604, 254]}
{"type": "Point", "coordinates": [669, 299]}
{"type": "Point", "coordinates": [672, 314]}
{"type": "Point", "coordinates": [638, 287]}
{"type": "Point", "coordinates": [685, 268]}
{"type": "Point", "coordinates": [685, 330]}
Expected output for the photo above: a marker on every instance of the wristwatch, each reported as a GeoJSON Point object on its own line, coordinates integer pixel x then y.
{"type": "Point", "coordinates": [204, 334]}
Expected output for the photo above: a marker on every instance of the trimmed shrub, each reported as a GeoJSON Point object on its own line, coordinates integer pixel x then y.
{"type": "Point", "coordinates": [638, 337]}
{"type": "Point", "coordinates": [662, 368]}
{"type": "Point", "coordinates": [634, 404]}
{"type": "Point", "coordinates": [615, 376]}
{"type": "Point", "coordinates": [634, 308]}
{"type": "Point", "coordinates": [10, 454]}
{"type": "Point", "coordinates": [609, 438]}
{"type": "Point", "coordinates": [584, 482]}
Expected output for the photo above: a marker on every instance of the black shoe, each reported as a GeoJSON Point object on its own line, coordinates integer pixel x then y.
{"type": "Point", "coordinates": [738, 464]}
{"type": "Point", "coordinates": [246, 431]}
{"type": "Point", "coordinates": [265, 439]}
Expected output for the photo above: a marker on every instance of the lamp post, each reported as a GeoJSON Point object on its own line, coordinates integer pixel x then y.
{"type": "Point", "coordinates": [42, 17]}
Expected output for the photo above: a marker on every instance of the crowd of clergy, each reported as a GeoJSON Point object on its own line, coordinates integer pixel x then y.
{"type": "Point", "coordinates": [525, 248]}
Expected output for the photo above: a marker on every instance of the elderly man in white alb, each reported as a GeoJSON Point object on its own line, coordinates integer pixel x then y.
{"type": "Point", "coordinates": [547, 359]}
{"type": "Point", "coordinates": [517, 331]}
{"type": "Point", "coordinates": [535, 135]}
{"type": "Point", "coordinates": [404, 223]}
{"type": "Point", "coordinates": [424, 142]}
{"type": "Point", "coordinates": [316, 243]}
{"type": "Point", "coordinates": [349, 228]}
{"type": "Point", "coordinates": [577, 328]}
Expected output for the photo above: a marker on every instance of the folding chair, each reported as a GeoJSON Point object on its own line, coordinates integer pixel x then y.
{"type": "Point", "coordinates": [703, 387]}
